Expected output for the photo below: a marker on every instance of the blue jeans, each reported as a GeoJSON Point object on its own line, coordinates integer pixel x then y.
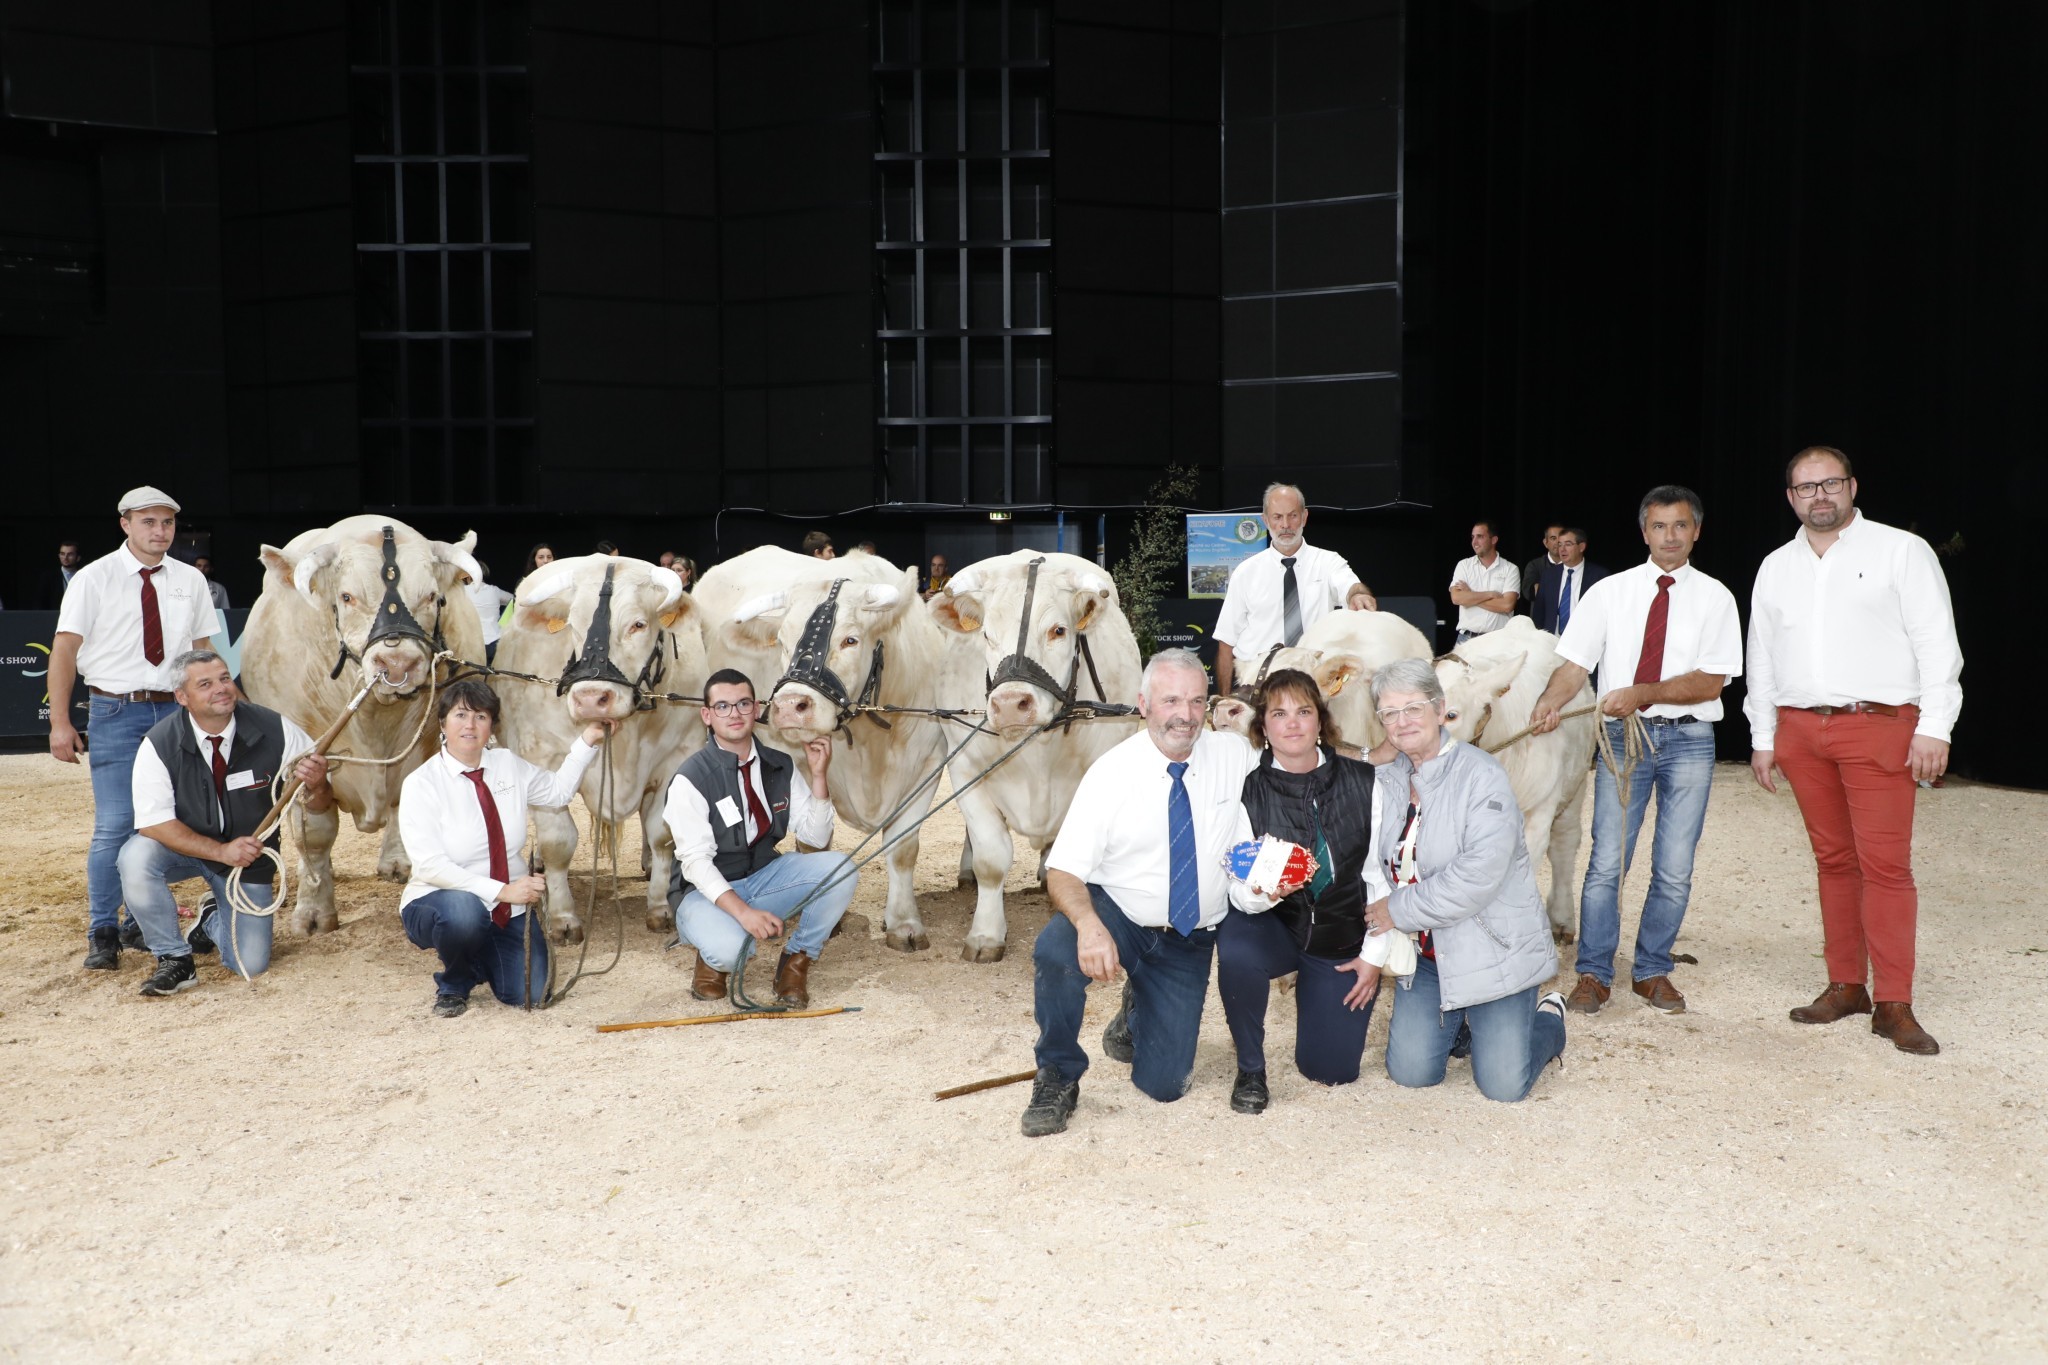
{"type": "Point", "coordinates": [1329, 1037]}
{"type": "Point", "coordinates": [114, 733]}
{"type": "Point", "coordinates": [1512, 1040]}
{"type": "Point", "coordinates": [147, 871]}
{"type": "Point", "coordinates": [1169, 984]}
{"type": "Point", "coordinates": [776, 888]}
{"type": "Point", "coordinates": [473, 950]}
{"type": "Point", "coordinates": [1678, 765]}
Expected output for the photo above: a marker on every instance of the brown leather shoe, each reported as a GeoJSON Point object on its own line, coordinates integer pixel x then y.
{"type": "Point", "coordinates": [708, 983]}
{"type": "Point", "coordinates": [1659, 994]}
{"type": "Point", "coordinates": [1894, 1020]}
{"type": "Point", "coordinates": [1840, 1000]}
{"type": "Point", "coordinates": [1588, 996]}
{"type": "Point", "coordinates": [793, 980]}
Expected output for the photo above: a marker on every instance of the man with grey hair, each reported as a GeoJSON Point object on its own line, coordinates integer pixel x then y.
{"type": "Point", "coordinates": [1283, 589]}
{"type": "Point", "coordinates": [202, 787]}
{"type": "Point", "coordinates": [1136, 875]}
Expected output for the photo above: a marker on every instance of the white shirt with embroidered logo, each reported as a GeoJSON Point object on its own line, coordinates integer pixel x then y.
{"type": "Point", "coordinates": [150, 783]}
{"type": "Point", "coordinates": [103, 607]}
{"type": "Point", "coordinates": [1500, 576]}
{"type": "Point", "coordinates": [442, 821]}
{"type": "Point", "coordinates": [1702, 632]}
{"type": "Point", "coordinates": [689, 817]}
{"type": "Point", "coordinates": [1870, 620]}
{"type": "Point", "coordinates": [1253, 616]}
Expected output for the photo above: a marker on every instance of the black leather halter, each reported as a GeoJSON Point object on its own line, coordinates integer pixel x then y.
{"type": "Point", "coordinates": [1249, 691]}
{"type": "Point", "coordinates": [807, 666]}
{"type": "Point", "coordinates": [1019, 666]}
{"type": "Point", "coordinates": [395, 620]}
{"type": "Point", "coordinates": [593, 663]}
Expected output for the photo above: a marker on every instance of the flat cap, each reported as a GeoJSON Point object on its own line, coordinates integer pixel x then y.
{"type": "Point", "coordinates": [147, 496]}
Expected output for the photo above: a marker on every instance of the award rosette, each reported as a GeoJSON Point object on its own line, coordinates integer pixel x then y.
{"type": "Point", "coordinates": [1272, 865]}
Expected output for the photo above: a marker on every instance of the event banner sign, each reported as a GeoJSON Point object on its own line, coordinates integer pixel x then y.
{"type": "Point", "coordinates": [1217, 543]}
{"type": "Point", "coordinates": [25, 639]}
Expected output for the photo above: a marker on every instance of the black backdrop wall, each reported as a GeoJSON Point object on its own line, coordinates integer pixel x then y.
{"type": "Point", "coordinates": [1576, 247]}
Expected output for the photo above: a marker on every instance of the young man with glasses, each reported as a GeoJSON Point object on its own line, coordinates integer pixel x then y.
{"type": "Point", "coordinates": [728, 807]}
{"type": "Point", "coordinates": [1854, 685]}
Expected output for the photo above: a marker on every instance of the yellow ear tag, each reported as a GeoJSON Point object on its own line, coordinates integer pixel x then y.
{"type": "Point", "coordinates": [970, 623]}
{"type": "Point", "coordinates": [1342, 678]}
{"type": "Point", "coordinates": [669, 618]}
{"type": "Point", "coordinates": [555, 623]}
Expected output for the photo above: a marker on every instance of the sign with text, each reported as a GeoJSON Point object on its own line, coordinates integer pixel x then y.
{"type": "Point", "coordinates": [1217, 543]}
{"type": "Point", "coordinates": [25, 642]}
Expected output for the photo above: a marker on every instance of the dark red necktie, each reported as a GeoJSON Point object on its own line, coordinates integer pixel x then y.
{"type": "Point", "coordinates": [494, 833]}
{"type": "Point", "coordinates": [152, 624]}
{"type": "Point", "coordinates": [220, 777]}
{"type": "Point", "coordinates": [754, 806]}
{"type": "Point", "coordinates": [1650, 663]}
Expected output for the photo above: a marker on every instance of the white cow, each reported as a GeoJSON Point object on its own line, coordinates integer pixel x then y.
{"type": "Point", "coordinates": [1341, 652]}
{"type": "Point", "coordinates": [759, 608]}
{"type": "Point", "coordinates": [366, 599]}
{"type": "Point", "coordinates": [1491, 685]}
{"type": "Point", "coordinates": [650, 639]}
{"type": "Point", "coordinates": [1070, 601]}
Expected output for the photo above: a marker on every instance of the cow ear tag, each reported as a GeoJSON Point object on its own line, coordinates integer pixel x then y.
{"type": "Point", "coordinates": [555, 623]}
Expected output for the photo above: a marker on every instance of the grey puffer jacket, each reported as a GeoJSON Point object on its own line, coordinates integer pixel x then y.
{"type": "Point", "coordinates": [1477, 895]}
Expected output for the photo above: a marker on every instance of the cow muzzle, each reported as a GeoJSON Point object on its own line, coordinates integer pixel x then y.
{"type": "Point", "coordinates": [1014, 706]}
{"type": "Point", "coordinates": [590, 701]}
{"type": "Point", "coordinates": [799, 715]}
{"type": "Point", "coordinates": [397, 667]}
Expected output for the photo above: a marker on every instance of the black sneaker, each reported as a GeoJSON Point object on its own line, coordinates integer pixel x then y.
{"type": "Point", "coordinates": [201, 941]}
{"type": "Point", "coordinates": [1052, 1104]}
{"type": "Point", "coordinates": [131, 935]}
{"type": "Point", "coordinates": [1249, 1095]}
{"type": "Point", "coordinates": [1116, 1039]}
{"type": "Point", "coordinates": [1461, 1046]}
{"type": "Point", "coordinates": [104, 951]}
{"type": "Point", "coordinates": [172, 974]}
{"type": "Point", "coordinates": [1553, 1003]}
{"type": "Point", "coordinates": [448, 1006]}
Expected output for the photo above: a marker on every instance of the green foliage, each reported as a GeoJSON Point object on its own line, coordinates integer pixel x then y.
{"type": "Point", "coordinates": [1157, 563]}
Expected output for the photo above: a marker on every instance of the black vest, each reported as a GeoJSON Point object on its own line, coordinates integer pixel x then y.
{"type": "Point", "coordinates": [258, 750]}
{"type": "Point", "coordinates": [1289, 805]}
{"type": "Point", "coordinates": [716, 774]}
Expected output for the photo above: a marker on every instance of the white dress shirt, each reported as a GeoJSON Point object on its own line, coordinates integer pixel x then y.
{"type": "Point", "coordinates": [150, 784]}
{"type": "Point", "coordinates": [1702, 632]}
{"type": "Point", "coordinates": [1868, 621]}
{"type": "Point", "coordinates": [1115, 832]}
{"type": "Point", "coordinates": [1501, 576]}
{"type": "Point", "coordinates": [103, 606]}
{"type": "Point", "coordinates": [689, 817]}
{"type": "Point", "coordinates": [1253, 619]}
{"type": "Point", "coordinates": [1573, 592]}
{"type": "Point", "coordinates": [490, 602]}
{"type": "Point", "coordinates": [442, 822]}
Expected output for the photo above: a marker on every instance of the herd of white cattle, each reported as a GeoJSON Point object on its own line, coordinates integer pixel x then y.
{"type": "Point", "coordinates": [318, 634]}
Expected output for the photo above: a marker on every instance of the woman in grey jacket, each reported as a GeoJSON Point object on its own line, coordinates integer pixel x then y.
{"type": "Point", "coordinates": [1451, 834]}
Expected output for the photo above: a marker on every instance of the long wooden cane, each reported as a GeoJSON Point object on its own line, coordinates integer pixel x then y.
{"type": "Point", "coordinates": [729, 1018]}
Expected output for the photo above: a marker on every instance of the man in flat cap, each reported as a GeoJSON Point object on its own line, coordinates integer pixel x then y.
{"type": "Point", "coordinates": [126, 617]}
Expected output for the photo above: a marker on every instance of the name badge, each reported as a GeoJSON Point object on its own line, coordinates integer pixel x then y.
{"type": "Point", "coordinates": [245, 778]}
{"type": "Point", "coordinates": [727, 811]}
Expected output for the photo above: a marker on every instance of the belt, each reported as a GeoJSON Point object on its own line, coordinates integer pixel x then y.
{"type": "Point", "coordinates": [1854, 708]}
{"type": "Point", "coordinates": [130, 696]}
{"type": "Point", "coordinates": [1670, 720]}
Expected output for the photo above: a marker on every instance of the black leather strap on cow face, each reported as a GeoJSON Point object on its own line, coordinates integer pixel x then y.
{"type": "Point", "coordinates": [395, 620]}
{"type": "Point", "coordinates": [807, 666]}
{"type": "Point", "coordinates": [1249, 691]}
{"type": "Point", "coordinates": [593, 663]}
{"type": "Point", "coordinates": [1018, 666]}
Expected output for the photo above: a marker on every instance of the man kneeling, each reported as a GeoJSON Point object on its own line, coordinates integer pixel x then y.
{"type": "Point", "coordinates": [202, 787]}
{"type": "Point", "coordinates": [728, 806]}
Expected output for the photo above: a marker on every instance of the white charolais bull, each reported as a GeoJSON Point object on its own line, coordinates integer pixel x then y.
{"type": "Point", "coordinates": [816, 635]}
{"type": "Point", "coordinates": [1491, 685]}
{"type": "Point", "coordinates": [367, 599]}
{"type": "Point", "coordinates": [1341, 652]}
{"type": "Point", "coordinates": [616, 648]}
{"type": "Point", "coordinates": [1070, 601]}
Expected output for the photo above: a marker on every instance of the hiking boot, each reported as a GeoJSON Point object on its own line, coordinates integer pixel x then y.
{"type": "Point", "coordinates": [104, 951]}
{"type": "Point", "coordinates": [706, 982]}
{"type": "Point", "coordinates": [172, 974]}
{"type": "Point", "coordinates": [447, 1006]}
{"type": "Point", "coordinates": [1116, 1039]}
{"type": "Point", "coordinates": [1249, 1095]}
{"type": "Point", "coordinates": [1052, 1104]}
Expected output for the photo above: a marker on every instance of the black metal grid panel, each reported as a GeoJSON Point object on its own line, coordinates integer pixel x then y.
{"type": "Point", "coordinates": [444, 250]}
{"type": "Point", "coordinates": [963, 250]}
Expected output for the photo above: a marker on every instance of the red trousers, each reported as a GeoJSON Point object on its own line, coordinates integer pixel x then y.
{"type": "Point", "coordinates": [1850, 776]}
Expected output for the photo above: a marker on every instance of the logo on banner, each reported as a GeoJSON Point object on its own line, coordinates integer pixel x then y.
{"type": "Point", "coordinates": [15, 660]}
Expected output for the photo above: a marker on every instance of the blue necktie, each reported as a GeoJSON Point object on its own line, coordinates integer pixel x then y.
{"type": "Point", "coordinates": [1564, 603]}
{"type": "Point", "coordinates": [1184, 885]}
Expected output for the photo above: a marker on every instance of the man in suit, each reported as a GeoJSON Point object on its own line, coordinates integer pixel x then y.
{"type": "Point", "coordinates": [50, 592]}
{"type": "Point", "coordinates": [1532, 572]}
{"type": "Point", "coordinates": [1563, 584]}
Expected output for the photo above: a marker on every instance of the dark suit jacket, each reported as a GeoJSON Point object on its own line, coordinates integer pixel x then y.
{"type": "Point", "coordinates": [1543, 606]}
{"type": "Point", "coordinates": [1525, 599]}
{"type": "Point", "coordinates": [50, 590]}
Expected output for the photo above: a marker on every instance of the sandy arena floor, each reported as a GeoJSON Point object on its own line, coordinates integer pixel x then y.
{"type": "Point", "coordinates": [315, 1168]}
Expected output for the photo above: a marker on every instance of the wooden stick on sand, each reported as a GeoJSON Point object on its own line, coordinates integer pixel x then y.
{"type": "Point", "coordinates": [983, 1085]}
{"type": "Point", "coordinates": [729, 1018]}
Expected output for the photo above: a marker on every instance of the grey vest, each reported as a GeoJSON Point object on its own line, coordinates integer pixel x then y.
{"type": "Point", "coordinates": [258, 750]}
{"type": "Point", "coordinates": [716, 775]}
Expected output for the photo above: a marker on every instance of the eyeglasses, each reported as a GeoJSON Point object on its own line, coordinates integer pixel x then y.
{"type": "Point", "coordinates": [1414, 710]}
{"type": "Point", "coordinates": [734, 708]}
{"type": "Point", "coordinates": [1829, 486]}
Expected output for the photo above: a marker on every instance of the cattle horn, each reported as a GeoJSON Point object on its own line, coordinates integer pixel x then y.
{"type": "Point", "coordinates": [879, 596]}
{"type": "Point", "coordinates": [962, 583]}
{"type": "Point", "coordinates": [764, 605]}
{"type": "Point", "coordinates": [457, 553]}
{"type": "Point", "coordinates": [541, 587]}
{"type": "Point", "coordinates": [1095, 582]}
{"type": "Point", "coordinates": [310, 563]}
{"type": "Point", "coordinates": [671, 584]}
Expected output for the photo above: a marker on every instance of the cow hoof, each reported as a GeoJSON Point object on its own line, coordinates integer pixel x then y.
{"type": "Point", "coordinates": [395, 870]}
{"type": "Point", "coordinates": [905, 942]}
{"type": "Point", "coordinates": [985, 952]}
{"type": "Point", "coordinates": [660, 920]}
{"type": "Point", "coordinates": [966, 881]}
{"type": "Point", "coordinates": [569, 932]}
{"type": "Point", "coordinates": [1562, 935]}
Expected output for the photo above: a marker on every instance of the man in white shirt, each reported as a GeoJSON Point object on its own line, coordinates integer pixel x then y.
{"type": "Point", "coordinates": [1484, 585]}
{"type": "Point", "coordinates": [1283, 589]}
{"type": "Point", "coordinates": [1137, 877]}
{"type": "Point", "coordinates": [125, 618]}
{"type": "Point", "coordinates": [1666, 638]}
{"type": "Point", "coordinates": [1855, 683]}
{"type": "Point", "coordinates": [729, 805]}
{"type": "Point", "coordinates": [204, 563]}
{"type": "Point", "coordinates": [202, 787]}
